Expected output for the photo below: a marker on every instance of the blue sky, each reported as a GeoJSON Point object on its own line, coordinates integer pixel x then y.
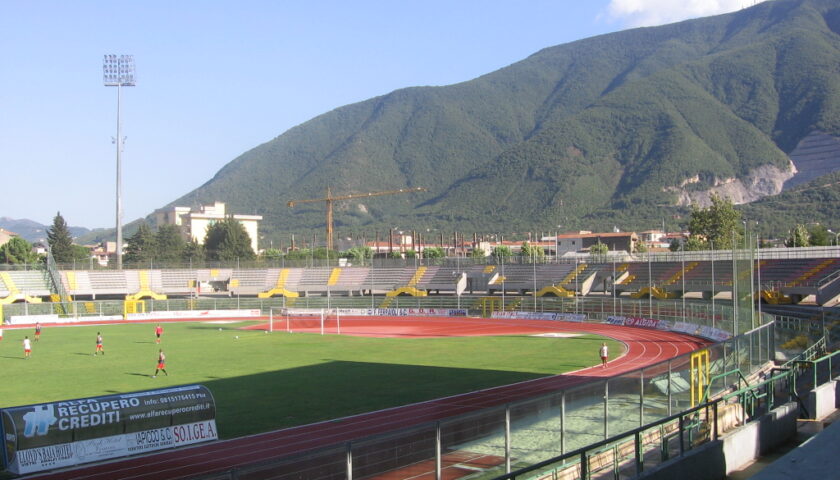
{"type": "Point", "coordinates": [217, 78]}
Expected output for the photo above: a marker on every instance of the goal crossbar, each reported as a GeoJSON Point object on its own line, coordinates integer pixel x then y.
{"type": "Point", "coordinates": [324, 320]}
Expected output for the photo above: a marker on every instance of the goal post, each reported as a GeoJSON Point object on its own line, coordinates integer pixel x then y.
{"type": "Point", "coordinates": [310, 320]}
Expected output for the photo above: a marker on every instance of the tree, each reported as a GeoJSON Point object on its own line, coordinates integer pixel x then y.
{"type": "Point", "coordinates": [501, 252]}
{"type": "Point", "coordinates": [169, 243]}
{"type": "Point", "coordinates": [819, 236]}
{"type": "Point", "coordinates": [359, 254]}
{"type": "Point", "coordinates": [272, 254]}
{"type": "Point", "coordinates": [598, 252]}
{"type": "Point", "coordinates": [228, 240]}
{"type": "Point", "coordinates": [298, 254]}
{"type": "Point", "coordinates": [142, 246]}
{"type": "Point", "coordinates": [692, 243]}
{"type": "Point", "coordinates": [80, 253]}
{"type": "Point", "coordinates": [478, 253]}
{"type": "Point", "coordinates": [60, 240]}
{"type": "Point", "coordinates": [600, 249]}
{"type": "Point", "coordinates": [193, 252]}
{"type": "Point", "coordinates": [799, 237]}
{"type": "Point", "coordinates": [534, 253]}
{"type": "Point", "coordinates": [433, 252]}
{"type": "Point", "coordinates": [676, 244]}
{"type": "Point", "coordinates": [718, 223]}
{"type": "Point", "coordinates": [17, 251]}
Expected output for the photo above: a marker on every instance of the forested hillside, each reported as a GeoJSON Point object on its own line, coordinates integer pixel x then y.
{"type": "Point", "coordinates": [622, 129]}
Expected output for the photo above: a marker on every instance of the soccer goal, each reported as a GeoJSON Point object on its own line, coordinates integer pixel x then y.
{"type": "Point", "coordinates": [311, 320]}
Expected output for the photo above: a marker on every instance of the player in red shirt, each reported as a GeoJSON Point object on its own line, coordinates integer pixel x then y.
{"type": "Point", "coordinates": [158, 332]}
{"type": "Point", "coordinates": [37, 331]}
{"type": "Point", "coordinates": [161, 365]}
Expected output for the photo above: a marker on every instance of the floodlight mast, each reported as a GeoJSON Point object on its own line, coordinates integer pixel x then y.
{"type": "Point", "coordinates": [118, 71]}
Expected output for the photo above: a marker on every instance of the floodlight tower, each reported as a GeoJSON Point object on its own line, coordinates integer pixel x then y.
{"type": "Point", "coordinates": [118, 71]}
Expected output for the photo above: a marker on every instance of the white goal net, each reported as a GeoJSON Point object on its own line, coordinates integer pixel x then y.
{"type": "Point", "coordinates": [309, 320]}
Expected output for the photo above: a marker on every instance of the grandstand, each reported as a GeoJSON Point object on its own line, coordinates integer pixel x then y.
{"type": "Point", "coordinates": [777, 280]}
{"type": "Point", "coordinates": [30, 283]}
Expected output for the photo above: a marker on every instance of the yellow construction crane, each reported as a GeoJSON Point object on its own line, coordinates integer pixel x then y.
{"type": "Point", "coordinates": [329, 199]}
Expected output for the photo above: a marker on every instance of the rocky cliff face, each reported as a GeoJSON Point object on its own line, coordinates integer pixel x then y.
{"type": "Point", "coordinates": [761, 182]}
{"type": "Point", "coordinates": [816, 155]}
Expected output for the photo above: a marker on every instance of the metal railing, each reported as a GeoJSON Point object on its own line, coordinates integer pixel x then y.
{"type": "Point", "coordinates": [630, 453]}
{"type": "Point", "coordinates": [565, 423]}
{"type": "Point", "coordinates": [525, 433]}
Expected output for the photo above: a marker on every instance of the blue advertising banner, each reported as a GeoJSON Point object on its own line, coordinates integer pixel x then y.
{"type": "Point", "coordinates": [70, 432]}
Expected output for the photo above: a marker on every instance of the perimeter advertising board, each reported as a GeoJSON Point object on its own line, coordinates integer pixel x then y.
{"type": "Point", "coordinates": [560, 317]}
{"type": "Point", "coordinates": [396, 312]}
{"type": "Point", "coordinates": [71, 432]}
{"type": "Point", "coordinates": [711, 333]}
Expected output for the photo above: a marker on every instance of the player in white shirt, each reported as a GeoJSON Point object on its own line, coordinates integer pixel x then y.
{"type": "Point", "coordinates": [604, 353]}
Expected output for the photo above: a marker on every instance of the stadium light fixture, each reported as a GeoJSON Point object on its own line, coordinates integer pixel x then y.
{"type": "Point", "coordinates": [118, 71]}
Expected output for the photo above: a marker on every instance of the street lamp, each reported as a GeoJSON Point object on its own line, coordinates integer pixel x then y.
{"type": "Point", "coordinates": [118, 71]}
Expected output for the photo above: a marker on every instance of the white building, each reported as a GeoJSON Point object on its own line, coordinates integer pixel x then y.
{"type": "Point", "coordinates": [194, 222]}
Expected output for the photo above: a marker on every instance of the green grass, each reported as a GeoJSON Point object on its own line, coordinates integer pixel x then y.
{"type": "Point", "coordinates": [263, 382]}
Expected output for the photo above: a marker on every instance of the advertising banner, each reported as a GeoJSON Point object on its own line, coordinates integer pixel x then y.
{"type": "Point", "coordinates": [564, 317]}
{"type": "Point", "coordinates": [715, 334]}
{"type": "Point", "coordinates": [403, 312]}
{"type": "Point", "coordinates": [50, 319]}
{"type": "Point", "coordinates": [195, 314]}
{"type": "Point", "coordinates": [19, 319]}
{"type": "Point", "coordinates": [639, 322]}
{"type": "Point", "coordinates": [59, 434]}
{"type": "Point", "coordinates": [571, 317]}
{"type": "Point", "coordinates": [646, 323]}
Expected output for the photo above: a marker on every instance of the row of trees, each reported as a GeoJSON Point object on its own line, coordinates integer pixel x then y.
{"type": "Point", "coordinates": [720, 226]}
{"type": "Point", "coordinates": [225, 240]}
{"type": "Point", "coordinates": [19, 251]}
{"type": "Point", "coordinates": [717, 226]}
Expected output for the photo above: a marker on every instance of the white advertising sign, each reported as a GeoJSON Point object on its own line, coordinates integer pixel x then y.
{"type": "Point", "coordinates": [84, 451]}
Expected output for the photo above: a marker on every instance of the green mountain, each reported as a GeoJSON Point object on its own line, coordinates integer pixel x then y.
{"type": "Point", "coordinates": [622, 129]}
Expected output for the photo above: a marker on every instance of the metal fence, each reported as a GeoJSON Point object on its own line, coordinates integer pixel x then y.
{"type": "Point", "coordinates": [498, 440]}
{"type": "Point", "coordinates": [453, 260]}
{"type": "Point", "coordinates": [721, 314]}
{"type": "Point", "coordinates": [521, 434]}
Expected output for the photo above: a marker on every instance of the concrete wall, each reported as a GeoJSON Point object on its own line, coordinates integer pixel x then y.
{"type": "Point", "coordinates": [822, 400]}
{"type": "Point", "coordinates": [716, 459]}
{"type": "Point", "coordinates": [814, 459]}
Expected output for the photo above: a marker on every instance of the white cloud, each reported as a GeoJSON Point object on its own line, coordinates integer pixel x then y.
{"type": "Point", "coordinates": [639, 13]}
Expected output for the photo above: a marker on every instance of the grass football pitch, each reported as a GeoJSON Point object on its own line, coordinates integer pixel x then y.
{"type": "Point", "coordinates": [264, 382]}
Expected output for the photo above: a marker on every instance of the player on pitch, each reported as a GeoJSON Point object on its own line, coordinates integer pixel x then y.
{"type": "Point", "coordinates": [37, 331]}
{"type": "Point", "coordinates": [99, 344]}
{"type": "Point", "coordinates": [158, 333]}
{"type": "Point", "coordinates": [161, 365]}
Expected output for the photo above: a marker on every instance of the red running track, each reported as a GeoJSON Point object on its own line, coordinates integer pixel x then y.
{"type": "Point", "coordinates": [643, 347]}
